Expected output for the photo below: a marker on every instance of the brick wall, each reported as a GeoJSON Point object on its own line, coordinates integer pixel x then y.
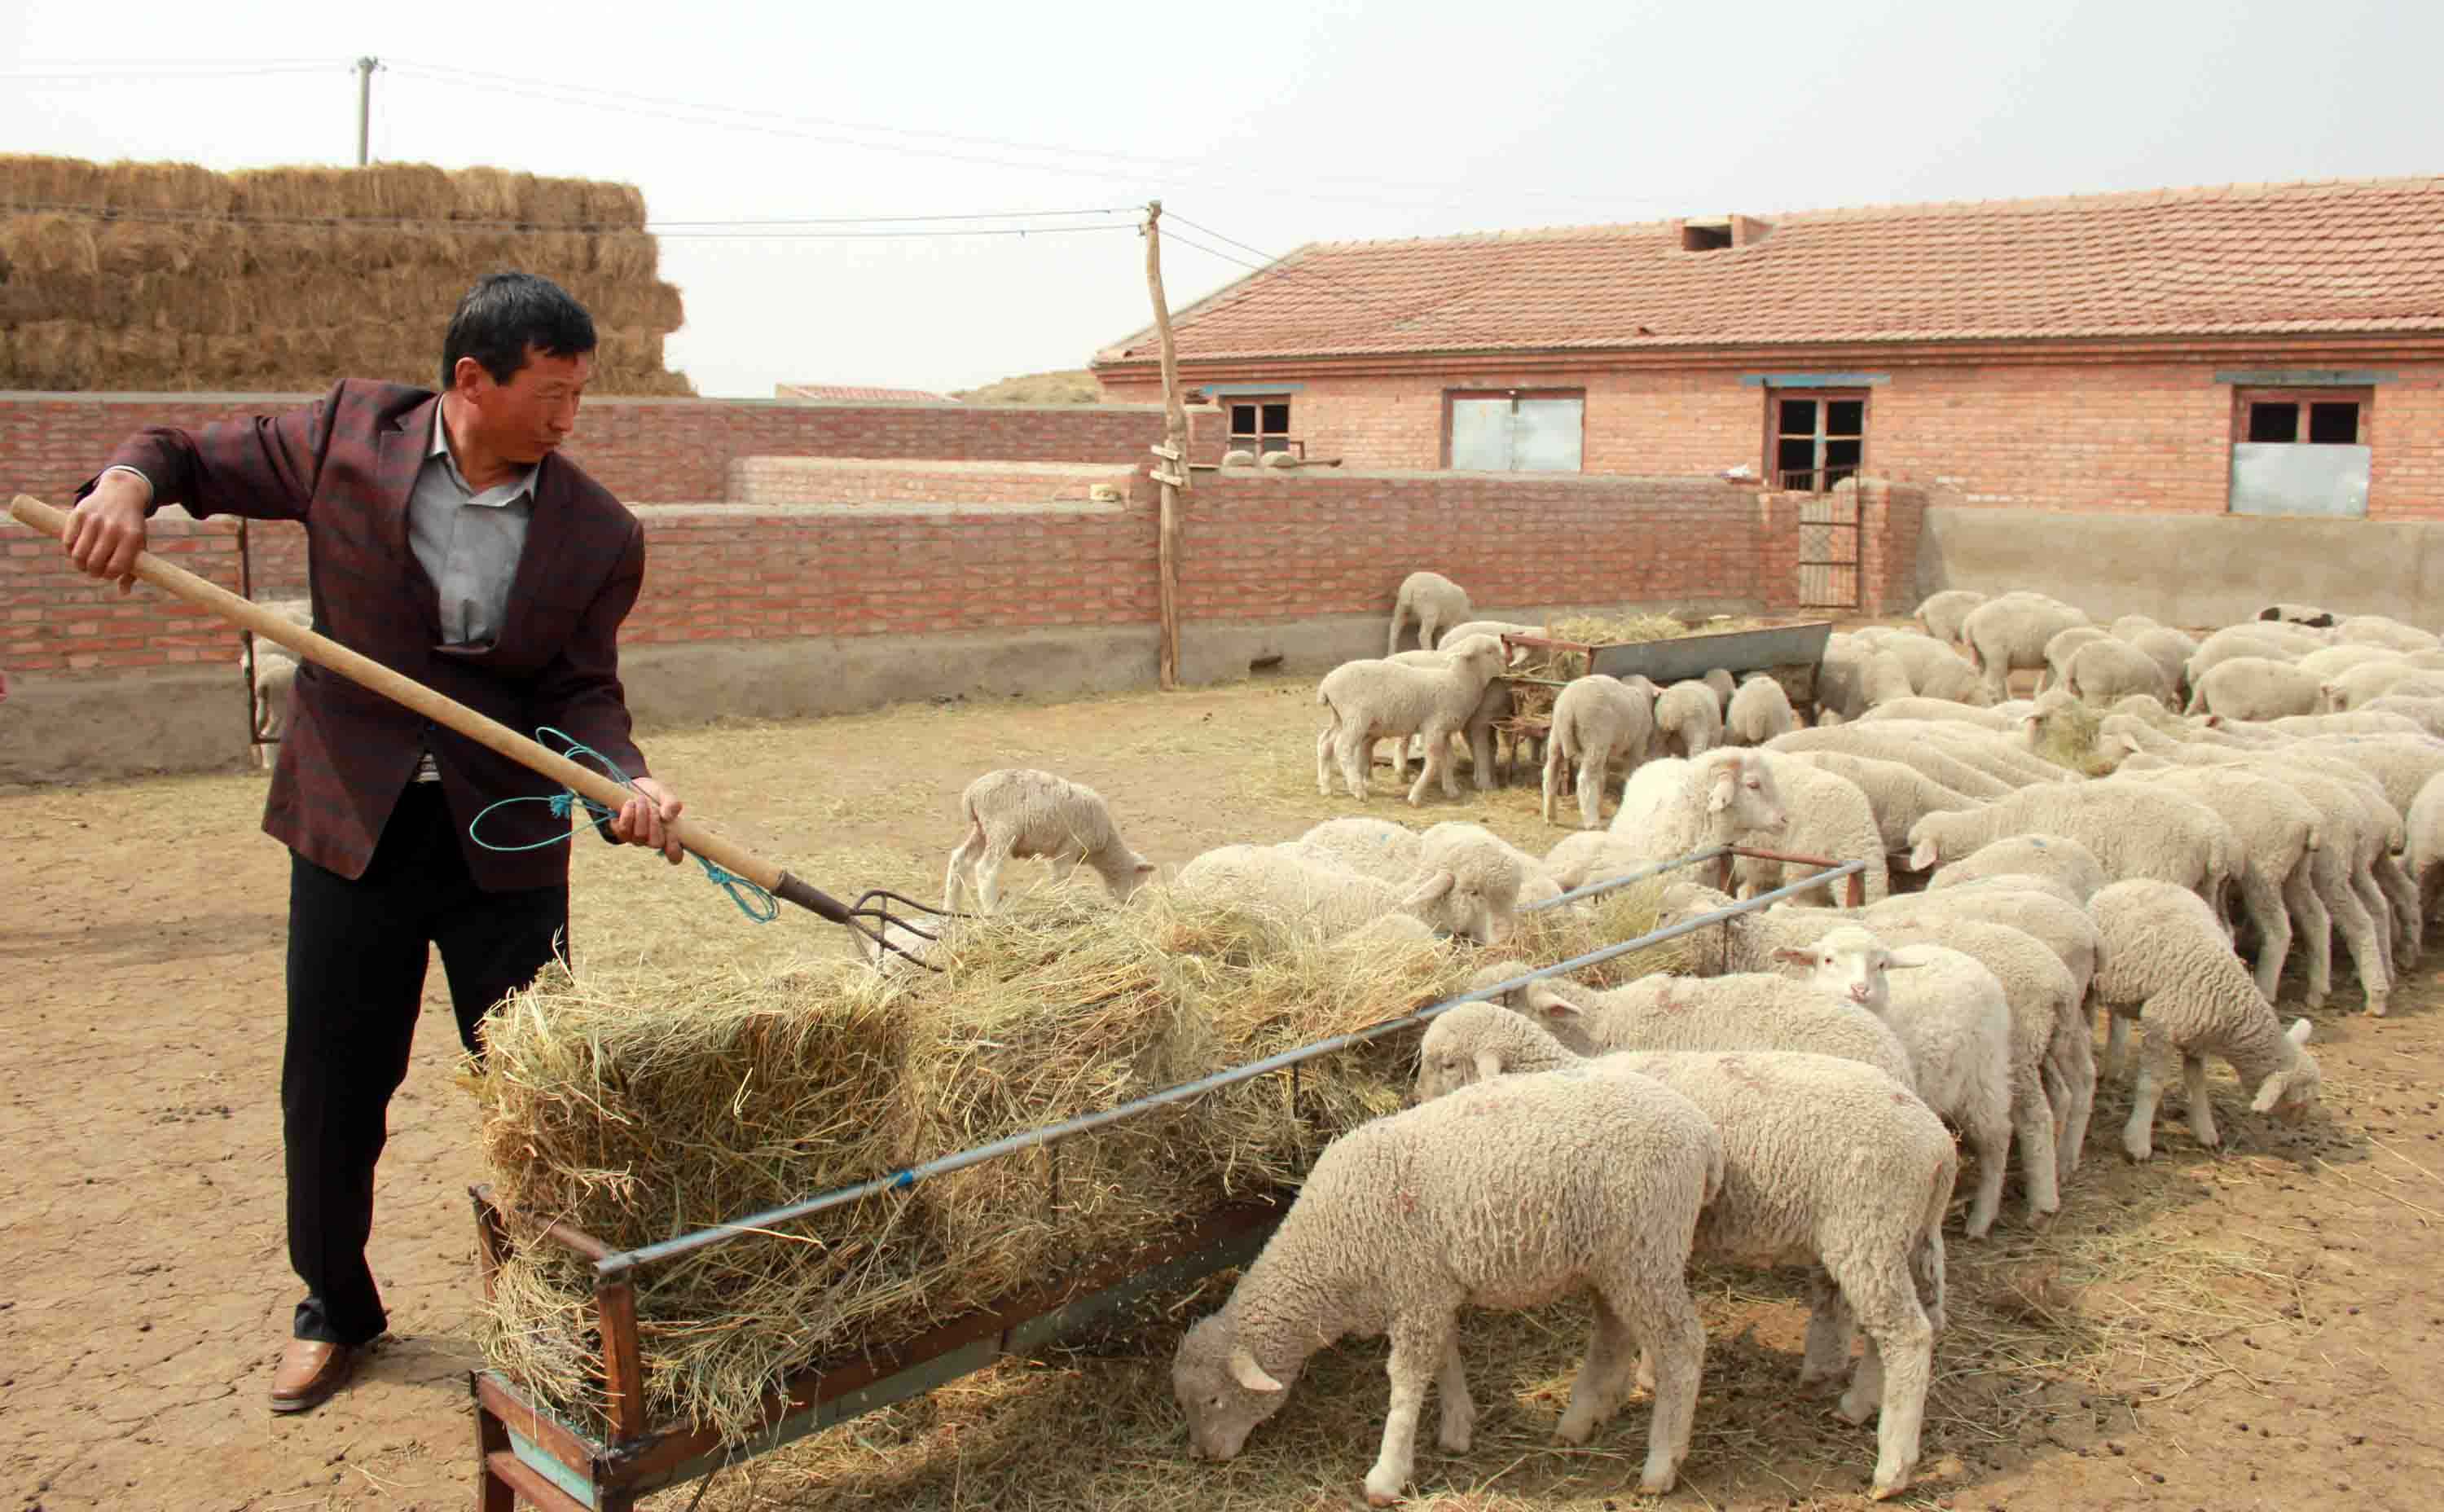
{"type": "Point", "coordinates": [55, 619]}
{"type": "Point", "coordinates": [2120, 436]}
{"type": "Point", "coordinates": [858, 480]}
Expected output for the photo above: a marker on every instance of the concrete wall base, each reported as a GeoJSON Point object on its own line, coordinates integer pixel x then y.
{"type": "Point", "coordinates": [84, 729]}
{"type": "Point", "coordinates": [2187, 569]}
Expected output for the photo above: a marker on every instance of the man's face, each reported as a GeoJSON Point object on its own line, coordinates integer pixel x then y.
{"type": "Point", "coordinates": [535, 411]}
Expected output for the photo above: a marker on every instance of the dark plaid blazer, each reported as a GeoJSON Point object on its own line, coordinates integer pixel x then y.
{"type": "Point", "coordinates": [344, 466]}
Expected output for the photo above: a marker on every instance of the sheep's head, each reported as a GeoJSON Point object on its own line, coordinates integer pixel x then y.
{"type": "Point", "coordinates": [1482, 657]}
{"type": "Point", "coordinates": [1468, 884]}
{"type": "Point", "coordinates": [1472, 1043]}
{"type": "Point", "coordinates": [1927, 840]}
{"type": "Point", "coordinates": [1709, 949]}
{"type": "Point", "coordinates": [1851, 963]}
{"type": "Point", "coordinates": [1741, 796]}
{"type": "Point", "coordinates": [2331, 700]}
{"type": "Point", "coordinates": [2287, 1093]}
{"type": "Point", "coordinates": [1222, 1389]}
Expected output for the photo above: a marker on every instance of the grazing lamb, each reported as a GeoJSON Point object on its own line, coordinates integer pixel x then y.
{"type": "Point", "coordinates": [2170, 652]}
{"type": "Point", "coordinates": [1828, 816]}
{"type": "Point", "coordinates": [2054, 857]}
{"type": "Point", "coordinates": [2377, 630]}
{"type": "Point", "coordinates": [1869, 1218]}
{"type": "Point", "coordinates": [1887, 741]}
{"type": "Point", "coordinates": [1492, 706]}
{"type": "Point", "coordinates": [1595, 720]}
{"type": "Point", "coordinates": [2132, 830]}
{"type": "Point", "coordinates": [1371, 847]}
{"type": "Point", "coordinates": [1375, 700]}
{"type": "Point", "coordinates": [1855, 675]}
{"type": "Point", "coordinates": [1671, 808]}
{"type": "Point", "coordinates": [1942, 613]}
{"type": "Point", "coordinates": [1900, 795]}
{"type": "Point", "coordinates": [1936, 671]}
{"type": "Point", "coordinates": [2167, 964]}
{"type": "Point", "coordinates": [2423, 853]}
{"type": "Point", "coordinates": [2009, 633]}
{"type": "Point", "coordinates": [1688, 719]}
{"type": "Point", "coordinates": [275, 675]}
{"type": "Point", "coordinates": [2063, 645]}
{"type": "Point", "coordinates": [1749, 1012]}
{"type": "Point", "coordinates": [1950, 1016]}
{"type": "Point", "coordinates": [1018, 812]}
{"type": "Point", "coordinates": [1724, 684]}
{"type": "Point", "coordinates": [2108, 669]}
{"type": "Point", "coordinates": [1333, 901]}
{"type": "Point", "coordinates": [1922, 707]}
{"type": "Point", "coordinates": [2360, 686]}
{"type": "Point", "coordinates": [1406, 1220]}
{"type": "Point", "coordinates": [2334, 661]}
{"type": "Point", "coordinates": [2277, 830]}
{"type": "Point", "coordinates": [1760, 710]}
{"type": "Point", "coordinates": [2255, 641]}
{"type": "Point", "coordinates": [1509, 876]}
{"type": "Point", "coordinates": [1432, 600]}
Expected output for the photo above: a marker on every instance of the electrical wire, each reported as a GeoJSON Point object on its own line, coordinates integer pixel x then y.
{"type": "Point", "coordinates": [1329, 285]}
{"type": "Point", "coordinates": [779, 228]}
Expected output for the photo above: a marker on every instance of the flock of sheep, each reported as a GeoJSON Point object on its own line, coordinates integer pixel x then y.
{"type": "Point", "coordinates": [1786, 1099]}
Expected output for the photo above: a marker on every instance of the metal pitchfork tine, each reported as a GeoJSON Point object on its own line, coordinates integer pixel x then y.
{"type": "Point", "coordinates": [726, 861]}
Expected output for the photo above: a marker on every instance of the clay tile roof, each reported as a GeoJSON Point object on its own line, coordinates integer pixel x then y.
{"type": "Point", "coordinates": [2364, 255]}
{"type": "Point", "coordinates": [856, 393]}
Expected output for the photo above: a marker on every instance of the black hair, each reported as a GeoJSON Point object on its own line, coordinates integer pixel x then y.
{"type": "Point", "coordinates": [507, 313]}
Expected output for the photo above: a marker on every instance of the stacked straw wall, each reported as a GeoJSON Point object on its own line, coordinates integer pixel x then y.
{"type": "Point", "coordinates": [166, 276]}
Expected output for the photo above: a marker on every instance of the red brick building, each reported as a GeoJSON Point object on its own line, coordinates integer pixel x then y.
{"type": "Point", "coordinates": [2258, 349]}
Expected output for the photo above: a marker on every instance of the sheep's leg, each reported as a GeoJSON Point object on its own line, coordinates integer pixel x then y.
{"type": "Point", "coordinates": [2116, 1044]}
{"type": "Point", "coordinates": [1661, 1314]}
{"type": "Point", "coordinates": [1323, 758]}
{"type": "Point", "coordinates": [2360, 933]}
{"type": "Point", "coordinates": [2402, 893]}
{"type": "Point", "coordinates": [1591, 787]}
{"type": "Point", "coordinates": [1614, 1360]}
{"type": "Point", "coordinates": [1418, 1344]}
{"type": "Point", "coordinates": [1429, 623]}
{"type": "Point", "coordinates": [2155, 1059]}
{"type": "Point", "coordinates": [1830, 1327]}
{"type": "Point", "coordinates": [1457, 1428]}
{"type": "Point", "coordinates": [963, 857]}
{"type": "Point", "coordinates": [2315, 929]}
{"type": "Point", "coordinates": [1399, 618]}
{"type": "Point", "coordinates": [989, 875]}
{"type": "Point", "coordinates": [2080, 1071]}
{"type": "Point", "coordinates": [2263, 903]}
{"type": "Point", "coordinates": [2193, 1085]}
{"type": "Point", "coordinates": [1891, 1377]}
{"type": "Point", "coordinates": [1354, 749]}
{"type": "Point", "coordinates": [1992, 1139]}
{"type": "Point", "coordinates": [1553, 762]}
{"type": "Point", "coordinates": [2032, 1118]}
{"type": "Point", "coordinates": [1437, 769]}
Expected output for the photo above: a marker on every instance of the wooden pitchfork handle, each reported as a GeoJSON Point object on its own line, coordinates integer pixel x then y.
{"type": "Point", "coordinates": [728, 855]}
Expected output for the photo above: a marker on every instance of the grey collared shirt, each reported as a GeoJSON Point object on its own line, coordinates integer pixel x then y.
{"type": "Point", "coordinates": [468, 542]}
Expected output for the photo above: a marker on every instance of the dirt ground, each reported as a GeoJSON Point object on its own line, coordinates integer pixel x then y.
{"type": "Point", "coordinates": [2255, 1328]}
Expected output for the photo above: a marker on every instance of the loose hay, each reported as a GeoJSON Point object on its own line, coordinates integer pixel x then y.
{"type": "Point", "coordinates": [641, 1106]}
{"type": "Point", "coordinates": [2066, 735]}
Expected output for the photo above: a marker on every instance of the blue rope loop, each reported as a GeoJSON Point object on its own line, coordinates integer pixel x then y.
{"type": "Point", "coordinates": [752, 900]}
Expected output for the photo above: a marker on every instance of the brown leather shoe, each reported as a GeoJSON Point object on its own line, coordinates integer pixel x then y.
{"type": "Point", "coordinates": [309, 1371]}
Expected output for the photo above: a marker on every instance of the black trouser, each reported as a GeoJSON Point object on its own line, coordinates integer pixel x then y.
{"type": "Point", "coordinates": [357, 955]}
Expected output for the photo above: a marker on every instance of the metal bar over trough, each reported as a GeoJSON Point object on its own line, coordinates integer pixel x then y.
{"type": "Point", "coordinates": [525, 1450]}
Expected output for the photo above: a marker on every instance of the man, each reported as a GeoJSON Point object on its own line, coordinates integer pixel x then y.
{"type": "Point", "coordinates": [448, 540]}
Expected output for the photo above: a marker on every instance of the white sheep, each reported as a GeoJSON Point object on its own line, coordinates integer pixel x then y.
{"type": "Point", "coordinates": [2170, 651]}
{"type": "Point", "coordinates": [1670, 807]}
{"type": "Point", "coordinates": [1855, 675]}
{"type": "Point", "coordinates": [1492, 706]}
{"type": "Point", "coordinates": [2359, 686]}
{"type": "Point", "coordinates": [1950, 1015]}
{"type": "Point", "coordinates": [1405, 1220]}
{"type": "Point", "coordinates": [2008, 634]}
{"type": "Point", "coordinates": [1888, 741]}
{"type": "Point", "coordinates": [1942, 613]}
{"type": "Point", "coordinates": [1898, 795]}
{"type": "Point", "coordinates": [2258, 641]}
{"type": "Point", "coordinates": [1486, 866]}
{"type": "Point", "coordinates": [2331, 661]}
{"type": "Point", "coordinates": [2400, 713]}
{"type": "Point", "coordinates": [1922, 708]}
{"type": "Point", "coordinates": [1760, 710]}
{"type": "Point", "coordinates": [1829, 817]}
{"type": "Point", "coordinates": [1019, 813]}
{"type": "Point", "coordinates": [1936, 671]}
{"type": "Point", "coordinates": [1824, 1161]}
{"type": "Point", "coordinates": [1597, 720]}
{"type": "Point", "coordinates": [1311, 893]}
{"type": "Point", "coordinates": [2277, 830]}
{"type": "Point", "coordinates": [275, 675]}
{"type": "Point", "coordinates": [2167, 963]}
{"type": "Point", "coordinates": [1688, 719]}
{"type": "Point", "coordinates": [2132, 830]}
{"type": "Point", "coordinates": [1432, 600]}
{"type": "Point", "coordinates": [2061, 647]}
{"type": "Point", "coordinates": [2377, 630]}
{"type": "Point", "coordinates": [2108, 669]}
{"type": "Point", "coordinates": [2057, 857]}
{"type": "Point", "coordinates": [2423, 849]}
{"type": "Point", "coordinates": [1375, 700]}
{"type": "Point", "coordinates": [1745, 1011]}
{"type": "Point", "coordinates": [1371, 847]}
{"type": "Point", "coordinates": [1724, 684]}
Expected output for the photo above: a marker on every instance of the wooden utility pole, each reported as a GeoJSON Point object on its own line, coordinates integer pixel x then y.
{"type": "Point", "coordinates": [365, 105]}
{"type": "Point", "coordinates": [1171, 469]}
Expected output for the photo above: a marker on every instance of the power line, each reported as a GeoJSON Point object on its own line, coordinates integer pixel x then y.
{"type": "Point", "coordinates": [1328, 285]}
{"type": "Point", "coordinates": [207, 73]}
{"type": "Point", "coordinates": [777, 227]}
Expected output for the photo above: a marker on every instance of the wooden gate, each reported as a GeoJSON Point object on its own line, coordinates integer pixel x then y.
{"type": "Point", "coordinates": [1829, 550]}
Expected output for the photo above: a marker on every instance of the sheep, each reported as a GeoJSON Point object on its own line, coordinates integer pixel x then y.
{"type": "Point", "coordinates": [2423, 853]}
{"type": "Point", "coordinates": [1583, 856]}
{"type": "Point", "coordinates": [2166, 964]}
{"type": "Point", "coordinates": [2170, 651]}
{"type": "Point", "coordinates": [2234, 641]}
{"type": "Point", "coordinates": [1869, 1221]}
{"type": "Point", "coordinates": [2254, 687]}
{"type": "Point", "coordinates": [2298, 614]}
{"type": "Point", "coordinates": [1019, 812]}
{"type": "Point", "coordinates": [2375, 630]}
{"type": "Point", "coordinates": [1331, 901]}
{"type": "Point", "coordinates": [2002, 753]}
{"type": "Point", "coordinates": [1747, 1011]}
{"type": "Point", "coordinates": [2277, 830]}
{"type": "Point", "coordinates": [1953, 1023]}
{"type": "Point", "coordinates": [2424, 716]}
{"type": "Point", "coordinates": [1559, 1020]}
{"type": "Point", "coordinates": [1829, 817]}
{"type": "Point", "coordinates": [2056, 857]}
{"type": "Point", "coordinates": [1917, 708]}
{"type": "Point", "coordinates": [2125, 627]}
{"type": "Point", "coordinates": [1596, 719]}
{"type": "Point", "coordinates": [1855, 676]}
{"type": "Point", "coordinates": [2371, 718]}
{"type": "Point", "coordinates": [1724, 684]}
{"type": "Point", "coordinates": [2134, 830]}
{"type": "Point", "coordinates": [1492, 706]}
{"type": "Point", "coordinates": [2061, 647]}
{"type": "Point", "coordinates": [1431, 599]}
{"type": "Point", "coordinates": [275, 675]}
{"type": "Point", "coordinates": [2333, 660]}
{"type": "Point", "coordinates": [2108, 669]}
{"type": "Point", "coordinates": [2348, 690]}
{"type": "Point", "coordinates": [1936, 671]}
{"type": "Point", "coordinates": [1371, 847]}
{"type": "Point", "coordinates": [1671, 808]}
{"type": "Point", "coordinates": [1688, 719]}
{"type": "Point", "coordinates": [1372, 700]}
{"type": "Point", "coordinates": [2010, 633]}
{"type": "Point", "coordinates": [1407, 1219]}
{"type": "Point", "coordinates": [1898, 795]}
{"type": "Point", "coordinates": [1508, 877]}
{"type": "Point", "coordinates": [1885, 741]}
{"type": "Point", "coordinates": [1497, 627]}
{"type": "Point", "coordinates": [1942, 613]}
{"type": "Point", "coordinates": [1760, 710]}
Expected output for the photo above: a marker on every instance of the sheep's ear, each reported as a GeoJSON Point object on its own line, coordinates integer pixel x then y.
{"type": "Point", "coordinates": [2270, 1092]}
{"type": "Point", "coordinates": [1432, 890]}
{"type": "Point", "coordinates": [1795, 956]}
{"type": "Point", "coordinates": [2301, 1029]}
{"type": "Point", "coordinates": [1924, 856]}
{"type": "Point", "coordinates": [1544, 1000]}
{"type": "Point", "coordinates": [1725, 786]}
{"type": "Point", "coordinates": [2215, 721]}
{"type": "Point", "coordinates": [1245, 1370]}
{"type": "Point", "coordinates": [1896, 961]}
{"type": "Point", "coordinates": [1489, 1065]}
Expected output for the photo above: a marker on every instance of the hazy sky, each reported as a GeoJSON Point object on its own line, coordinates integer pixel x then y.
{"type": "Point", "coordinates": [1268, 124]}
